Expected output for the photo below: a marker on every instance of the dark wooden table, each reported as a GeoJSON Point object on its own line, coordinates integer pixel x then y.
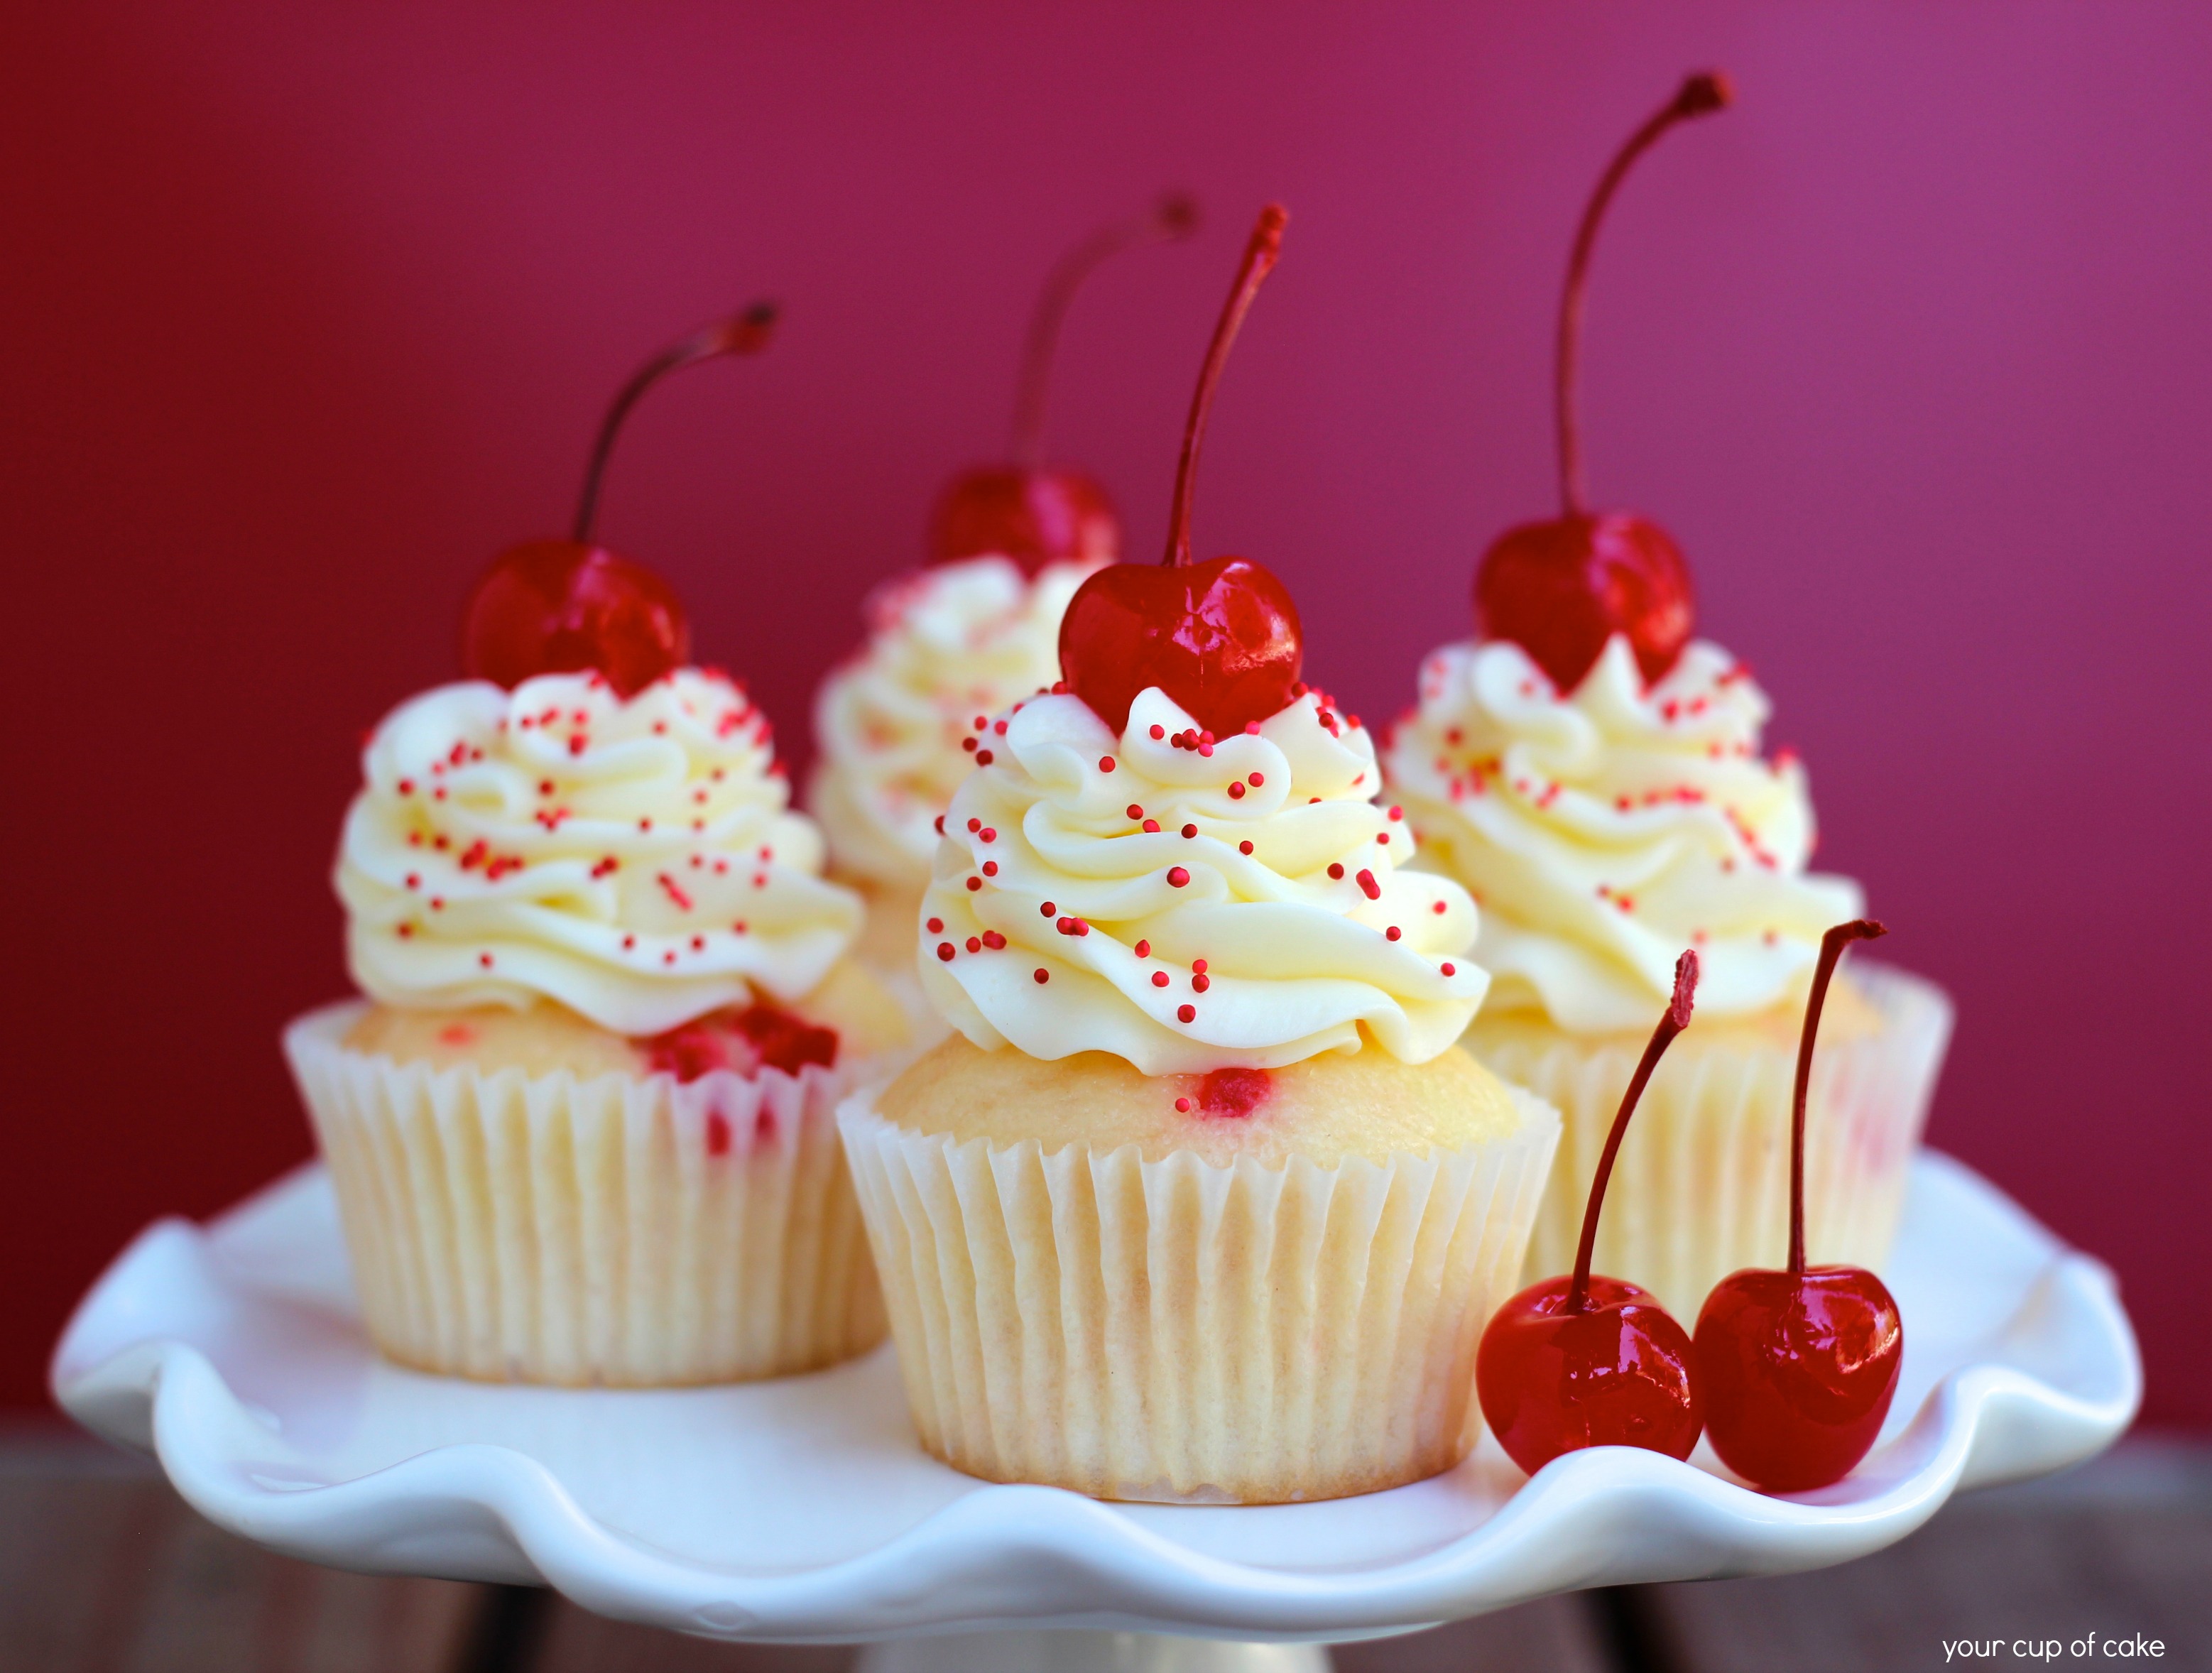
{"type": "Point", "coordinates": [104, 1570]}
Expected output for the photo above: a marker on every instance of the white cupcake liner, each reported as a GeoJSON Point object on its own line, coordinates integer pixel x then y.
{"type": "Point", "coordinates": [1701, 1187]}
{"type": "Point", "coordinates": [1179, 1332]}
{"type": "Point", "coordinates": [620, 1230]}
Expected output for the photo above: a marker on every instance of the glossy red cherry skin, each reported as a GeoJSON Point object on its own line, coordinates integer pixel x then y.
{"type": "Point", "coordinates": [1560, 589]}
{"type": "Point", "coordinates": [1220, 638]}
{"type": "Point", "coordinates": [555, 606]}
{"type": "Point", "coordinates": [1035, 517]}
{"type": "Point", "coordinates": [1620, 1374]}
{"type": "Point", "coordinates": [1797, 1373]}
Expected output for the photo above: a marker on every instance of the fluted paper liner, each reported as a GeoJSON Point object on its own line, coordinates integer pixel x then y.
{"type": "Point", "coordinates": [1181, 1331]}
{"type": "Point", "coordinates": [1701, 1187]}
{"type": "Point", "coordinates": [620, 1230]}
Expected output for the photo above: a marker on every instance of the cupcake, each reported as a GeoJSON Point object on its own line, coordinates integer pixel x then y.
{"type": "Point", "coordinates": [581, 1126]}
{"type": "Point", "coordinates": [965, 636]}
{"type": "Point", "coordinates": [1594, 774]}
{"type": "Point", "coordinates": [1200, 1118]}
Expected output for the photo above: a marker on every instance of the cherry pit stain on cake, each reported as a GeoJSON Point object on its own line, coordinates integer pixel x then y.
{"type": "Point", "coordinates": [1228, 1094]}
{"type": "Point", "coordinates": [742, 1042]}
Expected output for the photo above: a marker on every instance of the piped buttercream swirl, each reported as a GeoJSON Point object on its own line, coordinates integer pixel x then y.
{"type": "Point", "coordinates": [1189, 905]}
{"type": "Point", "coordinates": [1605, 829]}
{"type": "Point", "coordinates": [946, 645]}
{"type": "Point", "coordinates": [636, 862]}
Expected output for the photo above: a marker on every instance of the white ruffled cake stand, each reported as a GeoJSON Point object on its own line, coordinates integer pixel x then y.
{"type": "Point", "coordinates": [804, 1511]}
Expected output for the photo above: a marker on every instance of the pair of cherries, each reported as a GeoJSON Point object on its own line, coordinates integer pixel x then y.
{"type": "Point", "coordinates": [1790, 1372]}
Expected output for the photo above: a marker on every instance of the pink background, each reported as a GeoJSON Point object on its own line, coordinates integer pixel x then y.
{"type": "Point", "coordinates": [311, 309]}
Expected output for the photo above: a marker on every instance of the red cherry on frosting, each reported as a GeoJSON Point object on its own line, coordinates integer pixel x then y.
{"type": "Point", "coordinates": [562, 606]}
{"type": "Point", "coordinates": [1024, 509]}
{"type": "Point", "coordinates": [1799, 1367]}
{"type": "Point", "coordinates": [1584, 1360]}
{"type": "Point", "coordinates": [1560, 589]}
{"type": "Point", "coordinates": [1221, 638]}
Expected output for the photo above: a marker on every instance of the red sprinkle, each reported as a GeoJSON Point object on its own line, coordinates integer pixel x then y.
{"type": "Point", "coordinates": [1134, 810]}
{"type": "Point", "coordinates": [945, 951]}
{"type": "Point", "coordinates": [1369, 886]}
{"type": "Point", "coordinates": [1047, 910]}
{"type": "Point", "coordinates": [1335, 871]}
{"type": "Point", "coordinates": [937, 926]}
{"type": "Point", "coordinates": [990, 868]}
{"type": "Point", "coordinates": [983, 757]}
{"type": "Point", "coordinates": [1190, 831]}
{"type": "Point", "coordinates": [993, 941]}
{"type": "Point", "coordinates": [484, 958]}
{"type": "Point", "coordinates": [1199, 984]}
{"type": "Point", "coordinates": [1105, 763]}
{"type": "Point", "coordinates": [1391, 934]}
{"type": "Point", "coordinates": [1448, 968]}
{"type": "Point", "coordinates": [1243, 847]}
{"type": "Point", "coordinates": [1177, 876]}
{"type": "Point", "coordinates": [1236, 790]}
{"type": "Point", "coordinates": [1042, 975]}
{"type": "Point", "coordinates": [1255, 780]}
{"type": "Point", "coordinates": [1158, 732]}
{"type": "Point", "coordinates": [1144, 949]}
{"type": "Point", "coordinates": [1183, 1106]}
{"type": "Point", "coordinates": [1151, 824]}
{"type": "Point", "coordinates": [1159, 978]}
{"type": "Point", "coordinates": [1186, 1012]}
{"type": "Point", "coordinates": [973, 884]}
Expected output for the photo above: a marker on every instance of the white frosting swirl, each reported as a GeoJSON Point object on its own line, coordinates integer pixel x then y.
{"type": "Point", "coordinates": [1054, 913]}
{"type": "Point", "coordinates": [636, 862]}
{"type": "Point", "coordinates": [946, 645]}
{"type": "Point", "coordinates": [1605, 830]}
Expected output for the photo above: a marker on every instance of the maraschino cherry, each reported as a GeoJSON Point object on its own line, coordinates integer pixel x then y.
{"type": "Point", "coordinates": [1590, 1361]}
{"type": "Point", "coordinates": [1798, 1367]}
{"type": "Point", "coordinates": [1022, 508]}
{"type": "Point", "coordinates": [1221, 638]}
{"type": "Point", "coordinates": [560, 607]}
{"type": "Point", "coordinates": [1560, 589]}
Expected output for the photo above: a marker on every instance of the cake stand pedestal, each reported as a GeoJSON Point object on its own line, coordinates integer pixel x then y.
{"type": "Point", "coordinates": [804, 1510]}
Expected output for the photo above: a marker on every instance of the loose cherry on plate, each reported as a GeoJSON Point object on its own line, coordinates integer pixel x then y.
{"type": "Point", "coordinates": [1798, 1367]}
{"type": "Point", "coordinates": [1589, 1361]}
{"type": "Point", "coordinates": [1022, 508]}
{"type": "Point", "coordinates": [1221, 638]}
{"type": "Point", "coordinates": [1560, 589]}
{"type": "Point", "coordinates": [558, 606]}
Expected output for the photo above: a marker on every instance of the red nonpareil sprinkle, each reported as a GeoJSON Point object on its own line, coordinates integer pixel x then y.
{"type": "Point", "coordinates": [973, 884]}
{"type": "Point", "coordinates": [987, 835]}
{"type": "Point", "coordinates": [982, 721]}
{"type": "Point", "coordinates": [1182, 1105]}
{"type": "Point", "coordinates": [414, 839]}
{"type": "Point", "coordinates": [673, 890]}
{"type": "Point", "coordinates": [1397, 813]}
{"type": "Point", "coordinates": [739, 928]}
{"type": "Point", "coordinates": [645, 824]}
{"type": "Point", "coordinates": [1255, 780]}
{"type": "Point", "coordinates": [990, 868]}
{"type": "Point", "coordinates": [406, 931]}
{"type": "Point", "coordinates": [1134, 810]}
{"type": "Point", "coordinates": [1369, 886]}
{"type": "Point", "coordinates": [1177, 876]}
{"type": "Point", "coordinates": [1144, 949]}
{"type": "Point", "coordinates": [1159, 978]}
{"type": "Point", "coordinates": [1206, 749]}
{"type": "Point", "coordinates": [941, 825]}
{"type": "Point", "coordinates": [698, 943]}
{"type": "Point", "coordinates": [1335, 872]}
{"type": "Point", "coordinates": [629, 943]}
{"type": "Point", "coordinates": [1384, 837]}
{"type": "Point", "coordinates": [1251, 729]}
{"type": "Point", "coordinates": [995, 940]}
{"type": "Point", "coordinates": [660, 728]}
{"type": "Point", "coordinates": [945, 951]}
{"type": "Point", "coordinates": [1392, 933]}
{"type": "Point", "coordinates": [1065, 926]}
{"type": "Point", "coordinates": [578, 743]}
{"type": "Point", "coordinates": [1105, 763]}
{"type": "Point", "coordinates": [439, 843]}
{"type": "Point", "coordinates": [1199, 984]}
{"type": "Point", "coordinates": [1153, 826]}
{"type": "Point", "coordinates": [968, 743]}
{"type": "Point", "coordinates": [1244, 847]}
{"type": "Point", "coordinates": [975, 826]}
{"type": "Point", "coordinates": [1236, 790]}
{"type": "Point", "coordinates": [697, 861]}
{"type": "Point", "coordinates": [438, 794]}
{"type": "Point", "coordinates": [1437, 907]}
{"type": "Point", "coordinates": [1159, 732]}
{"type": "Point", "coordinates": [1042, 975]}
{"type": "Point", "coordinates": [406, 787]}
{"type": "Point", "coordinates": [998, 726]}
{"type": "Point", "coordinates": [1190, 831]}
{"type": "Point", "coordinates": [760, 880]}
{"type": "Point", "coordinates": [937, 926]}
{"type": "Point", "coordinates": [484, 958]}
{"type": "Point", "coordinates": [1449, 968]}
{"type": "Point", "coordinates": [437, 903]}
{"type": "Point", "coordinates": [669, 957]}
{"type": "Point", "coordinates": [1198, 967]}
{"type": "Point", "coordinates": [1186, 1013]}
{"type": "Point", "coordinates": [974, 944]}
{"type": "Point", "coordinates": [983, 757]}
{"type": "Point", "coordinates": [414, 879]}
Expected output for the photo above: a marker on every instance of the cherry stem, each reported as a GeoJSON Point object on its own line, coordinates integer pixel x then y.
{"type": "Point", "coordinates": [1676, 1020]}
{"type": "Point", "coordinates": [1174, 217]}
{"type": "Point", "coordinates": [1832, 951]}
{"type": "Point", "coordinates": [746, 333]}
{"type": "Point", "coordinates": [1260, 255]}
{"type": "Point", "coordinates": [1700, 95]}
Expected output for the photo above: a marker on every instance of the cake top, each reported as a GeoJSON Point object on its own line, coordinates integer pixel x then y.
{"type": "Point", "coordinates": [946, 645]}
{"type": "Point", "coordinates": [1187, 902]}
{"type": "Point", "coordinates": [633, 859]}
{"type": "Point", "coordinates": [1605, 828]}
